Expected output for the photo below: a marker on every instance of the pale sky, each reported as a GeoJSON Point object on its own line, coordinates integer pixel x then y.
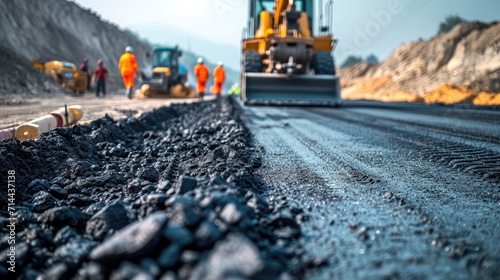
{"type": "Point", "coordinates": [220, 20]}
{"type": "Point", "coordinates": [362, 26]}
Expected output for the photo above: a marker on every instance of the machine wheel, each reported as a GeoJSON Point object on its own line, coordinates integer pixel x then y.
{"type": "Point", "coordinates": [323, 64]}
{"type": "Point", "coordinates": [252, 62]}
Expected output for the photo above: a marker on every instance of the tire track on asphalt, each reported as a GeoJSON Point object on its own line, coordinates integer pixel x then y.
{"type": "Point", "coordinates": [440, 128]}
{"type": "Point", "coordinates": [446, 143]}
{"type": "Point", "coordinates": [324, 142]}
{"type": "Point", "coordinates": [449, 199]}
{"type": "Point", "coordinates": [363, 221]}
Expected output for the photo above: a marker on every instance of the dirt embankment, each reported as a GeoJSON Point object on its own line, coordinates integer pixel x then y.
{"type": "Point", "coordinates": [18, 79]}
{"type": "Point", "coordinates": [56, 30]}
{"type": "Point", "coordinates": [461, 66]}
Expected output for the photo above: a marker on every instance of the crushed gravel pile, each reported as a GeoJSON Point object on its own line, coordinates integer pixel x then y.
{"type": "Point", "coordinates": [169, 195]}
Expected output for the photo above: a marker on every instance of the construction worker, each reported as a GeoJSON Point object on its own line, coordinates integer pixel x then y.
{"type": "Point", "coordinates": [219, 78]}
{"type": "Point", "coordinates": [84, 67]}
{"type": "Point", "coordinates": [202, 73]}
{"type": "Point", "coordinates": [128, 69]}
{"type": "Point", "coordinates": [100, 77]}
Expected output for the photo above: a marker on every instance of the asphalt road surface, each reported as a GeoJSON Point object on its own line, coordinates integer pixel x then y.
{"type": "Point", "coordinates": [389, 190]}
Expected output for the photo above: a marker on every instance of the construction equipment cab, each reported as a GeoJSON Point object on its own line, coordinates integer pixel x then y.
{"type": "Point", "coordinates": [165, 67]}
{"type": "Point", "coordinates": [286, 54]}
{"type": "Point", "coordinates": [166, 75]}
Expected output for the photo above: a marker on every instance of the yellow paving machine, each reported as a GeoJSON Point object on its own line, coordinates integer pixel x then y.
{"type": "Point", "coordinates": [287, 54]}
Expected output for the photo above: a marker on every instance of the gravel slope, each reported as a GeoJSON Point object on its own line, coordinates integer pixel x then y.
{"type": "Point", "coordinates": [170, 195]}
{"type": "Point", "coordinates": [212, 191]}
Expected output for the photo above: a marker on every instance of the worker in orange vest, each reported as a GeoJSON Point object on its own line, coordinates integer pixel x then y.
{"type": "Point", "coordinates": [202, 73]}
{"type": "Point", "coordinates": [219, 78]}
{"type": "Point", "coordinates": [128, 68]}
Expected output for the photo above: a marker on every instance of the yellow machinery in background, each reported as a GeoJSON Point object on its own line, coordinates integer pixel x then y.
{"type": "Point", "coordinates": [169, 78]}
{"type": "Point", "coordinates": [65, 74]}
{"type": "Point", "coordinates": [284, 60]}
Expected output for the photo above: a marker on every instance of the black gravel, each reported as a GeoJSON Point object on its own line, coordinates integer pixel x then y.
{"type": "Point", "coordinates": [169, 195]}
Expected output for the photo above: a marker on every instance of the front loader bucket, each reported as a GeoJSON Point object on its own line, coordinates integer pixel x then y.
{"type": "Point", "coordinates": [279, 89]}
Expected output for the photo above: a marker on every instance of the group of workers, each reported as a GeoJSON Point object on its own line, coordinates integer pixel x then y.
{"type": "Point", "coordinates": [129, 69]}
{"type": "Point", "coordinates": [202, 74]}
{"type": "Point", "coordinates": [100, 76]}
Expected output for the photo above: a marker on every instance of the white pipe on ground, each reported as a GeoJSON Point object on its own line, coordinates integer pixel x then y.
{"type": "Point", "coordinates": [33, 129]}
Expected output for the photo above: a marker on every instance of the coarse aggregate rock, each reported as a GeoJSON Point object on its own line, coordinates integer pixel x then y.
{"type": "Point", "coordinates": [110, 218]}
{"type": "Point", "coordinates": [62, 216]}
{"type": "Point", "coordinates": [236, 257]}
{"type": "Point", "coordinates": [171, 194]}
{"type": "Point", "coordinates": [42, 201]}
{"type": "Point", "coordinates": [134, 241]}
{"type": "Point", "coordinates": [74, 251]}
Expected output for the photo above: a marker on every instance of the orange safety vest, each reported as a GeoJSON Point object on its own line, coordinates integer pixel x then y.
{"type": "Point", "coordinates": [219, 74]}
{"type": "Point", "coordinates": [128, 64]}
{"type": "Point", "coordinates": [201, 72]}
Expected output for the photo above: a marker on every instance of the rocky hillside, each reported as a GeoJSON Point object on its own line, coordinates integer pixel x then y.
{"type": "Point", "coordinates": [467, 56]}
{"type": "Point", "coordinates": [63, 30]}
{"type": "Point", "coordinates": [58, 29]}
{"type": "Point", "coordinates": [17, 79]}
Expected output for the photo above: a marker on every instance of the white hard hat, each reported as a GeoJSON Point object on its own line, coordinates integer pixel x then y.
{"type": "Point", "coordinates": [236, 85]}
{"type": "Point", "coordinates": [129, 49]}
{"type": "Point", "coordinates": [219, 63]}
{"type": "Point", "coordinates": [200, 60]}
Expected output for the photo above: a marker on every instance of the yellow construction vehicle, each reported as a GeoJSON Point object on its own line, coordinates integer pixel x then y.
{"type": "Point", "coordinates": [284, 61]}
{"type": "Point", "coordinates": [168, 79]}
{"type": "Point", "coordinates": [64, 73]}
